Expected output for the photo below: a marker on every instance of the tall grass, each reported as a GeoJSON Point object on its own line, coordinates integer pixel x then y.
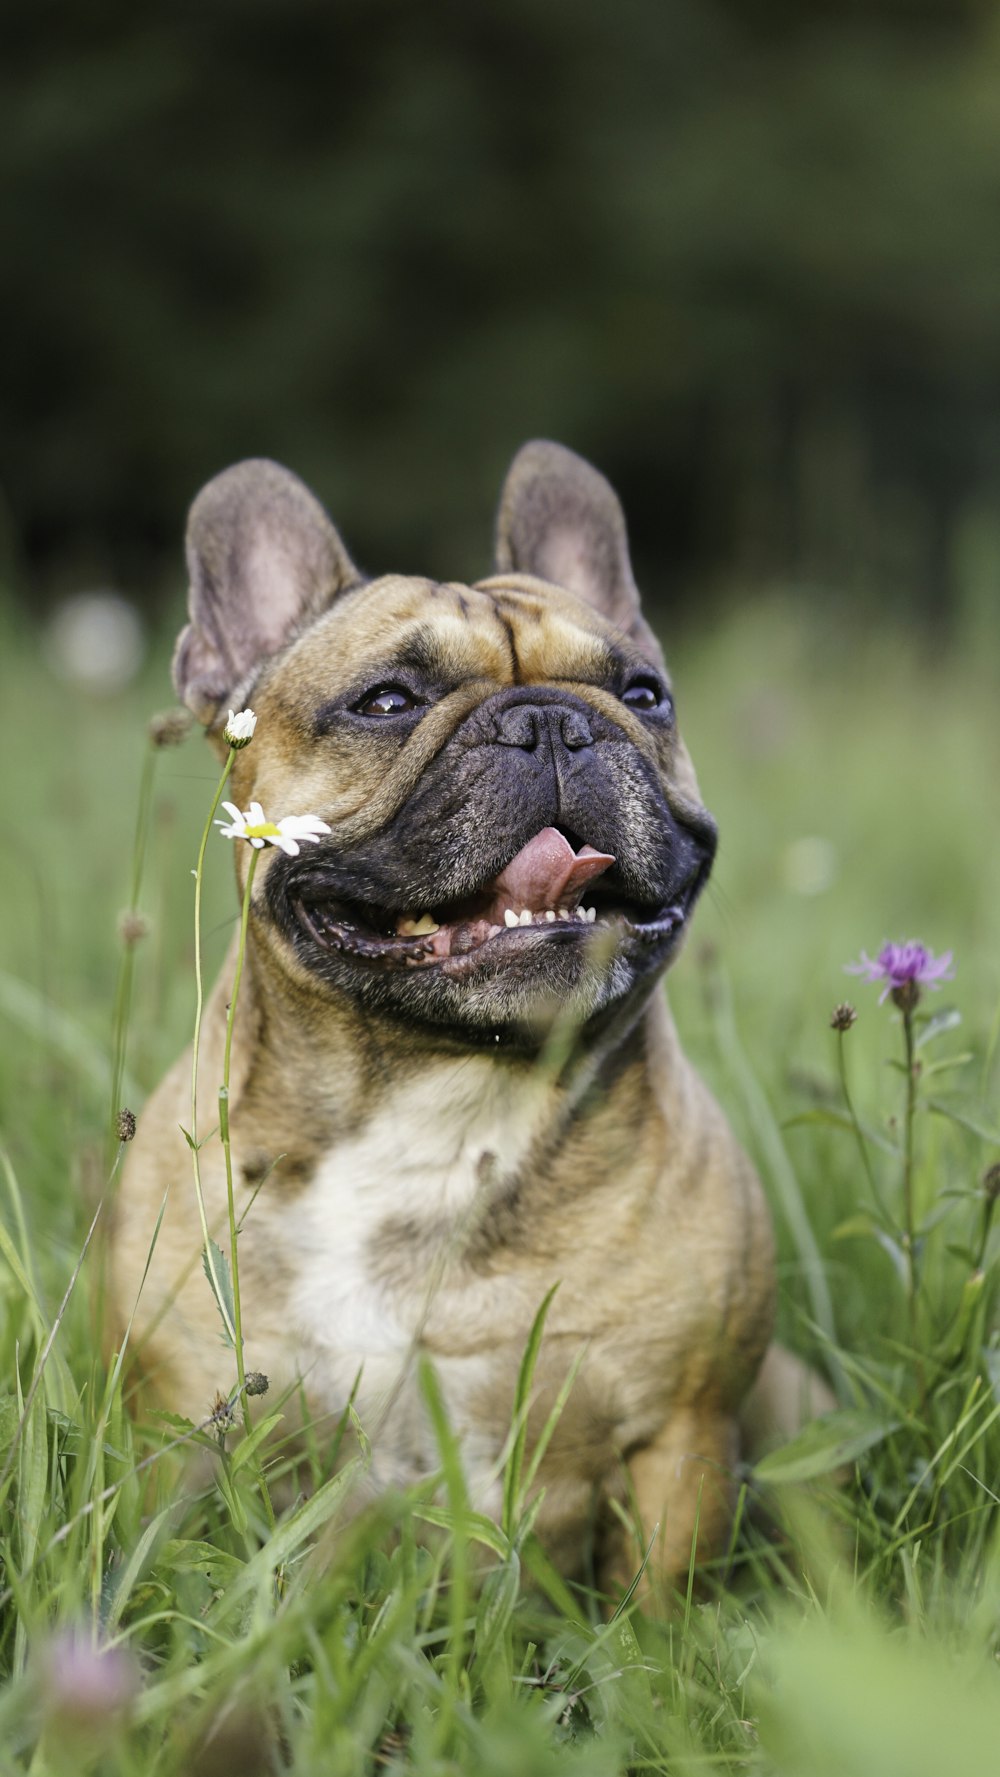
{"type": "Point", "coordinates": [153, 1620]}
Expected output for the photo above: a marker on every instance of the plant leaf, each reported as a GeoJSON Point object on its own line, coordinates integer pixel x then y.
{"type": "Point", "coordinates": [497, 1600]}
{"type": "Point", "coordinates": [949, 1018]}
{"type": "Point", "coordinates": [946, 1063]}
{"type": "Point", "coordinates": [841, 1120]}
{"type": "Point", "coordinates": [244, 1451]}
{"type": "Point", "coordinates": [966, 1119]}
{"type": "Point", "coordinates": [824, 1445]}
{"type": "Point", "coordinates": [196, 1146]}
{"type": "Point", "coordinates": [515, 1461]}
{"type": "Point", "coordinates": [225, 1287]}
{"type": "Point", "coordinates": [860, 1224]}
{"type": "Point", "coordinates": [479, 1528]}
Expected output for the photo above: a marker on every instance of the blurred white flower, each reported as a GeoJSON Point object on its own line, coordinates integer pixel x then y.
{"type": "Point", "coordinates": [95, 640]}
{"type": "Point", "coordinates": [287, 834]}
{"type": "Point", "coordinates": [238, 731]}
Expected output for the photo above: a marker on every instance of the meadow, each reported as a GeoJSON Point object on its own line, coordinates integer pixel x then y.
{"type": "Point", "coordinates": [151, 1622]}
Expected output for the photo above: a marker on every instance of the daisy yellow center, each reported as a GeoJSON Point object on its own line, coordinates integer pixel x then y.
{"type": "Point", "coordinates": [263, 830]}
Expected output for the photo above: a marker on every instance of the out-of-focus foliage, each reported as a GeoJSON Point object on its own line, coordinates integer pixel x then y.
{"type": "Point", "coordinates": [744, 255]}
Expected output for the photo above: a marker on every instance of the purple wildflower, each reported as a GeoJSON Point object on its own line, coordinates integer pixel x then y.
{"type": "Point", "coordinates": [904, 968]}
{"type": "Point", "coordinates": [85, 1687]}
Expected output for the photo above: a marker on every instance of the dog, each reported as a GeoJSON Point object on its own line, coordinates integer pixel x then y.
{"type": "Point", "coordinates": [454, 1068]}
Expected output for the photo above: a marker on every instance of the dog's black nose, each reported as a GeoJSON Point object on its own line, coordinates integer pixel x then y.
{"type": "Point", "coordinates": [524, 725]}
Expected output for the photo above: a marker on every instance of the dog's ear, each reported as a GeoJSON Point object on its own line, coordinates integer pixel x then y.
{"type": "Point", "coordinates": [560, 519]}
{"type": "Point", "coordinates": [263, 560]}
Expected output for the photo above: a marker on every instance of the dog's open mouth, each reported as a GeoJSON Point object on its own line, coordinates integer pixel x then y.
{"type": "Point", "coordinates": [549, 888]}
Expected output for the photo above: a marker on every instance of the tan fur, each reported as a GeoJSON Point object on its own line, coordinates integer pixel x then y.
{"type": "Point", "coordinates": [422, 1198]}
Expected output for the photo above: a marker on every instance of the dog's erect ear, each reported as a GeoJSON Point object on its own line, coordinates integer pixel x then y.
{"type": "Point", "coordinates": [263, 560]}
{"type": "Point", "coordinates": [561, 520]}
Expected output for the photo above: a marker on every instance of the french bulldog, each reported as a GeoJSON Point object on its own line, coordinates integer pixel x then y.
{"type": "Point", "coordinates": [454, 1068]}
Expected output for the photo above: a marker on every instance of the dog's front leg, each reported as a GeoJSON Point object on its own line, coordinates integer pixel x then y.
{"type": "Point", "coordinates": [682, 1486]}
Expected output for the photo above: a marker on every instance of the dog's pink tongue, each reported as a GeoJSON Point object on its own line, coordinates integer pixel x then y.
{"type": "Point", "coordinates": [547, 872]}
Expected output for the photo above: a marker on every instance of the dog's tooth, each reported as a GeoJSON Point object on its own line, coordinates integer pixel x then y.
{"type": "Point", "coordinates": [492, 933]}
{"type": "Point", "coordinates": [550, 915]}
{"type": "Point", "coordinates": [591, 915]}
{"type": "Point", "coordinates": [424, 927]}
{"type": "Point", "coordinates": [563, 913]}
{"type": "Point", "coordinates": [510, 917]}
{"type": "Point", "coordinates": [525, 918]}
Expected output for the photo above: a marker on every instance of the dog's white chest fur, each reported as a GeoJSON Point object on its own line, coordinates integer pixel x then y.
{"type": "Point", "coordinates": [422, 1163]}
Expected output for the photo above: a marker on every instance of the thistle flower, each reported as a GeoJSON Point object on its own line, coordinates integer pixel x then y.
{"type": "Point", "coordinates": [238, 731]}
{"type": "Point", "coordinates": [904, 968]}
{"type": "Point", "coordinates": [288, 834]}
{"type": "Point", "coordinates": [842, 1016]}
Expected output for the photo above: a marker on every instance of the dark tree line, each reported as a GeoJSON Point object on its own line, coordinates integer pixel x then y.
{"type": "Point", "coordinates": [744, 255]}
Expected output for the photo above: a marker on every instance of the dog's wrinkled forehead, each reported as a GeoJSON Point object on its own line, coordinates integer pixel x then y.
{"type": "Point", "coordinates": [266, 564]}
{"type": "Point", "coordinates": [510, 630]}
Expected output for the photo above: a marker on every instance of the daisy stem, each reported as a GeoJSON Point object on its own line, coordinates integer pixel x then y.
{"type": "Point", "coordinates": [230, 1198]}
{"type": "Point", "coordinates": [213, 1275]}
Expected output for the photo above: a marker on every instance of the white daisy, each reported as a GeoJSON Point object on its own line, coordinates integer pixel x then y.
{"type": "Point", "coordinates": [287, 834]}
{"type": "Point", "coordinates": [238, 731]}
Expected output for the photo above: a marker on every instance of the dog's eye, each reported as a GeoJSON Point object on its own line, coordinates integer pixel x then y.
{"type": "Point", "coordinates": [645, 693]}
{"type": "Point", "coordinates": [388, 700]}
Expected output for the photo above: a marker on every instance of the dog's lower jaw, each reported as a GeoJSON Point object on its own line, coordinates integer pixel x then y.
{"type": "Point", "coordinates": [514, 993]}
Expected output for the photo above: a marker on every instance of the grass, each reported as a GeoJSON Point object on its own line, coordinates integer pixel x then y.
{"type": "Point", "coordinates": [854, 779]}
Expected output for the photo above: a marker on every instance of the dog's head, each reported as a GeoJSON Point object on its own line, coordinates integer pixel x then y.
{"type": "Point", "coordinates": [515, 823]}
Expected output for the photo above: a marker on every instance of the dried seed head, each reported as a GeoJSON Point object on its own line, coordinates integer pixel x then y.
{"type": "Point", "coordinates": [223, 1414]}
{"type": "Point", "coordinates": [843, 1016]}
{"type": "Point", "coordinates": [125, 1125]}
{"type": "Point", "coordinates": [132, 926]}
{"type": "Point", "coordinates": [169, 727]}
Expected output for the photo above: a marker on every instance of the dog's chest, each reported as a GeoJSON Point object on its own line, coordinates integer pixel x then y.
{"type": "Point", "coordinates": [378, 1228]}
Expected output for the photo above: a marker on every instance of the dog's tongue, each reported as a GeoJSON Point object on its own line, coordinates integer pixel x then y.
{"type": "Point", "coordinates": [547, 872]}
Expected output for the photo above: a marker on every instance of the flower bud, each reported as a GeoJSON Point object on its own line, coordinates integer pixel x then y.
{"type": "Point", "coordinates": [843, 1016]}
{"type": "Point", "coordinates": [125, 1125]}
{"type": "Point", "coordinates": [223, 1414]}
{"type": "Point", "coordinates": [906, 996]}
{"type": "Point", "coordinates": [238, 731]}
